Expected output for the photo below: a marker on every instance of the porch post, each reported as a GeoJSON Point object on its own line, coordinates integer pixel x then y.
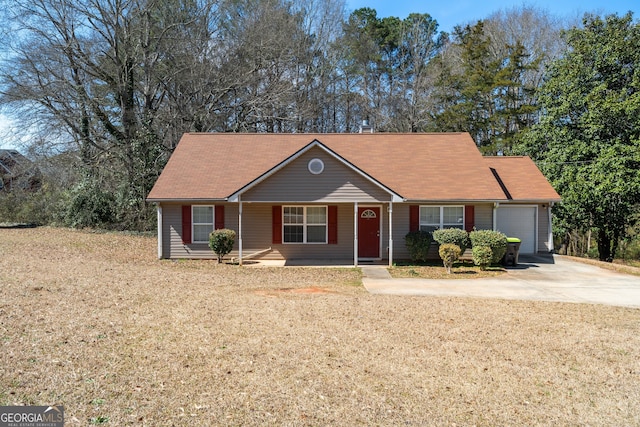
{"type": "Point", "coordinates": [240, 230]}
{"type": "Point", "coordinates": [495, 215]}
{"type": "Point", "coordinates": [159, 209]}
{"type": "Point", "coordinates": [355, 234]}
{"type": "Point", "coordinates": [391, 234]}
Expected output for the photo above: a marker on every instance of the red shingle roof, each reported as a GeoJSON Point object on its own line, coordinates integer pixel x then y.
{"type": "Point", "coordinates": [416, 166]}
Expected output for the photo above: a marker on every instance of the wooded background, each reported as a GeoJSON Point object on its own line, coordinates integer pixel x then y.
{"type": "Point", "coordinates": [103, 90]}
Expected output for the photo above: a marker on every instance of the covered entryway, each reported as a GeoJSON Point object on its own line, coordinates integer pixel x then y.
{"type": "Point", "coordinates": [369, 232]}
{"type": "Point", "coordinates": [519, 221]}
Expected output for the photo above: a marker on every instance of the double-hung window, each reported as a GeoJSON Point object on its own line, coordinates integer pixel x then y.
{"type": "Point", "coordinates": [304, 224]}
{"type": "Point", "coordinates": [437, 217]}
{"type": "Point", "coordinates": [202, 222]}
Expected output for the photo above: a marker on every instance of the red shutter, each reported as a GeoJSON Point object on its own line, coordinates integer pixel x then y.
{"type": "Point", "coordinates": [469, 218]}
{"type": "Point", "coordinates": [219, 217]}
{"type": "Point", "coordinates": [332, 219]}
{"type": "Point", "coordinates": [276, 221]}
{"type": "Point", "coordinates": [414, 218]}
{"type": "Point", "coordinates": [186, 224]}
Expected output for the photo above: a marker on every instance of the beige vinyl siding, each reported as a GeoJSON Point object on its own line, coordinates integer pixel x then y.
{"type": "Point", "coordinates": [256, 235]}
{"type": "Point", "coordinates": [400, 229]}
{"type": "Point", "coordinates": [257, 229]}
{"type": "Point", "coordinates": [337, 183]}
{"type": "Point", "coordinates": [483, 217]}
{"type": "Point", "coordinates": [172, 232]}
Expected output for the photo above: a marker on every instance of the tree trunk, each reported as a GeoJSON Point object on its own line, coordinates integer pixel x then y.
{"type": "Point", "coordinates": [604, 246]}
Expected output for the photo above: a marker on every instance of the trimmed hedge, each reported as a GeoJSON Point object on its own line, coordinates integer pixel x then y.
{"type": "Point", "coordinates": [221, 242]}
{"type": "Point", "coordinates": [449, 254]}
{"type": "Point", "coordinates": [482, 256]}
{"type": "Point", "coordinates": [454, 236]}
{"type": "Point", "coordinates": [496, 240]}
{"type": "Point", "coordinates": [418, 243]}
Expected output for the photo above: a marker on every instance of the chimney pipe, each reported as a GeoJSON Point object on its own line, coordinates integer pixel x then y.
{"type": "Point", "coordinates": [365, 127]}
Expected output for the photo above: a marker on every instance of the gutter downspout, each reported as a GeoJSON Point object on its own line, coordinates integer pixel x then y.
{"type": "Point", "coordinates": [355, 234]}
{"type": "Point", "coordinates": [391, 233]}
{"type": "Point", "coordinates": [551, 248]}
{"type": "Point", "coordinates": [159, 211]}
{"type": "Point", "coordinates": [239, 230]}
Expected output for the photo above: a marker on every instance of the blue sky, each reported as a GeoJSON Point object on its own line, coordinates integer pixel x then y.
{"type": "Point", "coordinates": [450, 13]}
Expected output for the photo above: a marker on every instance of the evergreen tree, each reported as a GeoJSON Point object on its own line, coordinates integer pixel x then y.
{"type": "Point", "coordinates": [588, 140]}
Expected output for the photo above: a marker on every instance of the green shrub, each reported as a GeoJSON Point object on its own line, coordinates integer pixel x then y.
{"type": "Point", "coordinates": [418, 243]}
{"type": "Point", "coordinates": [482, 256]}
{"type": "Point", "coordinates": [456, 236]}
{"type": "Point", "coordinates": [221, 242]}
{"type": "Point", "coordinates": [449, 253]}
{"type": "Point", "coordinates": [496, 240]}
{"type": "Point", "coordinates": [90, 205]}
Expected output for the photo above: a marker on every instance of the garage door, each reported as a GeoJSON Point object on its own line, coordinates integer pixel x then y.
{"type": "Point", "coordinates": [520, 222]}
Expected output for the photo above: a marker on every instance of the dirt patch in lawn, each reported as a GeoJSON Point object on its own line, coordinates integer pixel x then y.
{"type": "Point", "coordinates": [94, 322]}
{"type": "Point", "coordinates": [313, 290]}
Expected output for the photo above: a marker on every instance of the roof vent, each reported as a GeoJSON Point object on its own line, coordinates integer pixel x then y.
{"type": "Point", "coordinates": [365, 127]}
{"type": "Point", "coordinates": [316, 166]}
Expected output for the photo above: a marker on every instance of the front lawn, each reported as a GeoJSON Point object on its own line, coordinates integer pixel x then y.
{"type": "Point", "coordinates": [94, 322]}
{"type": "Point", "coordinates": [435, 270]}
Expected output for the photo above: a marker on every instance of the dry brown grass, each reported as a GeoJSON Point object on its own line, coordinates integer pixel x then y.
{"type": "Point", "coordinates": [94, 322]}
{"type": "Point", "coordinates": [437, 271]}
{"type": "Point", "coordinates": [621, 266]}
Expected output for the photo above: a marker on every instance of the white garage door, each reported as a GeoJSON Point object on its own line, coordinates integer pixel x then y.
{"type": "Point", "coordinates": [520, 222]}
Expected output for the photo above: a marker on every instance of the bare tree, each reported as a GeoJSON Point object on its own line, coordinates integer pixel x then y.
{"type": "Point", "coordinates": [95, 76]}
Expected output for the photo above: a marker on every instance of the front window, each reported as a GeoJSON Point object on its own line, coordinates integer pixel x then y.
{"type": "Point", "coordinates": [436, 217]}
{"type": "Point", "coordinates": [304, 224]}
{"type": "Point", "coordinates": [202, 220]}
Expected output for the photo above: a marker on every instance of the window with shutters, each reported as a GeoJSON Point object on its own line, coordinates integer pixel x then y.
{"type": "Point", "coordinates": [304, 224]}
{"type": "Point", "coordinates": [202, 223]}
{"type": "Point", "coordinates": [437, 217]}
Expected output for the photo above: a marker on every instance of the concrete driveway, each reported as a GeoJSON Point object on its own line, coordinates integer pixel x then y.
{"type": "Point", "coordinates": [538, 278]}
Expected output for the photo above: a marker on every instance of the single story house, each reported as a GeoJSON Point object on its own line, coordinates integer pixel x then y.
{"type": "Point", "coordinates": [342, 197]}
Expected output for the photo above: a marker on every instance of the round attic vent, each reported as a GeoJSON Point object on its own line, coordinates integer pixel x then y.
{"type": "Point", "coordinates": [316, 166]}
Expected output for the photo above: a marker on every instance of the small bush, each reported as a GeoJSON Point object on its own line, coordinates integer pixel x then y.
{"type": "Point", "coordinates": [482, 256]}
{"type": "Point", "coordinates": [449, 254]}
{"type": "Point", "coordinates": [455, 236]}
{"type": "Point", "coordinates": [418, 243]}
{"type": "Point", "coordinates": [496, 240]}
{"type": "Point", "coordinates": [221, 242]}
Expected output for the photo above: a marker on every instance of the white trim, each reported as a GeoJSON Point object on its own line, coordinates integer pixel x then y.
{"type": "Point", "coordinates": [550, 225]}
{"type": "Point", "coordinates": [311, 167]}
{"type": "Point", "coordinates": [239, 231]}
{"type": "Point", "coordinates": [315, 143]}
{"type": "Point", "coordinates": [390, 212]}
{"type": "Point", "coordinates": [305, 224]}
{"type": "Point", "coordinates": [362, 215]}
{"type": "Point", "coordinates": [355, 234]}
{"type": "Point", "coordinates": [442, 225]}
{"type": "Point", "coordinates": [160, 228]}
{"type": "Point", "coordinates": [193, 223]}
